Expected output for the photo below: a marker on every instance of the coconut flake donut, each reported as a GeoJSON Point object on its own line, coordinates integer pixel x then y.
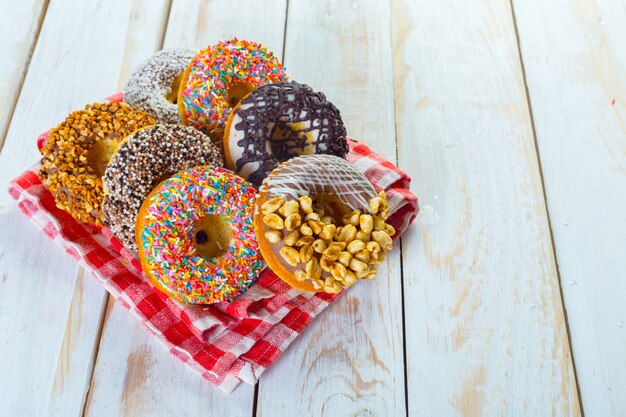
{"type": "Point", "coordinates": [75, 155]}
{"type": "Point", "coordinates": [153, 86]}
{"type": "Point", "coordinates": [277, 122]}
{"type": "Point", "coordinates": [142, 161]}
{"type": "Point", "coordinates": [218, 77]}
{"type": "Point", "coordinates": [196, 237]}
{"type": "Point", "coordinates": [320, 224]}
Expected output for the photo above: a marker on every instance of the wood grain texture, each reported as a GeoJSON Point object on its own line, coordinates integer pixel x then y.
{"type": "Point", "coordinates": [350, 360]}
{"type": "Point", "coordinates": [138, 376]}
{"type": "Point", "coordinates": [576, 76]}
{"type": "Point", "coordinates": [50, 321]}
{"type": "Point", "coordinates": [18, 34]}
{"type": "Point", "coordinates": [195, 24]}
{"type": "Point", "coordinates": [485, 329]}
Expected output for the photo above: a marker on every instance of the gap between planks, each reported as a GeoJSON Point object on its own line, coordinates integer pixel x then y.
{"type": "Point", "coordinates": [547, 210]}
{"type": "Point", "coordinates": [20, 81]}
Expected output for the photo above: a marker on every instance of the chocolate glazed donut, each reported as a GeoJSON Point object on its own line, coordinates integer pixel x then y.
{"type": "Point", "coordinates": [277, 122]}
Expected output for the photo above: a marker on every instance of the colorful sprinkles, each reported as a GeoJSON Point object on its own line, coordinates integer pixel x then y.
{"type": "Point", "coordinates": [214, 70]}
{"type": "Point", "coordinates": [168, 244]}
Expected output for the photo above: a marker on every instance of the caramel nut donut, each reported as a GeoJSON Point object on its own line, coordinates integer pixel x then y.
{"type": "Point", "coordinates": [320, 224]}
{"type": "Point", "coordinates": [75, 155]}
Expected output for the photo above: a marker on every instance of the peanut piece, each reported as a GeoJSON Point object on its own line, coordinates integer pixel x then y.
{"type": "Point", "coordinates": [274, 221]}
{"type": "Point", "coordinates": [327, 232]}
{"type": "Point", "coordinates": [306, 230]}
{"type": "Point", "coordinates": [319, 245]}
{"type": "Point", "coordinates": [366, 222]}
{"type": "Point", "coordinates": [312, 216]}
{"type": "Point", "coordinates": [306, 203]}
{"type": "Point", "coordinates": [355, 246]}
{"type": "Point", "coordinates": [375, 204]}
{"type": "Point", "coordinates": [293, 221]}
{"type": "Point", "coordinates": [371, 274]}
{"type": "Point", "coordinates": [291, 238]}
{"type": "Point", "coordinates": [363, 256]}
{"type": "Point", "coordinates": [313, 269]}
{"type": "Point", "coordinates": [332, 253]}
{"type": "Point", "coordinates": [327, 220]}
{"type": "Point", "coordinates": [338, 271]}
{"type": "Point", "coordinates": [373, 247]}
{"type": "Point", "coordinates": [306, 253]}
{"type": "Point", "coordinates": [351, 218]}
{"type": "Point", "coordinates": [379, 223]}
{"type": "Point", "coordinates": [300, 275]}
{"type": "Point", "coordinates": [289, 208]}
{"type": "Point", "coordinates": [290, 255]}
{"type": "Point", "coordinates": [390, 230]}
{"type": "Point", "coordinates": [357, 265]}
{"type": "Point", "coordinates": [383, 239]}
{"type": "Point", "coordinates": [272, 204]}
{"type": "Point", "coordinates": [344, 258]}
{"type": "Point", "coordinates": [273, 236]}
{"type": "Point", "coordinates": [361, 235]}
{"type": "Point", "coordinates": [326, 264]}
{"type": "Point", "coordinates": [304, 240]}
{"type": "Point", "coordinates": [316, 226]}
{"type": "Point", "coordinates": [331, 286]}
{"type": "Point", "coordinates": [347, 233]}
{"type": "Point", "coordinates": [350, 278]}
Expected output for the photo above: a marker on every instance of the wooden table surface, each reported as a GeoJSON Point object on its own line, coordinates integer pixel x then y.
{"type": "Point", "coordinates": [506, 297]}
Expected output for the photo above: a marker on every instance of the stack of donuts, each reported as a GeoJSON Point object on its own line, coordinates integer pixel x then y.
{"type": "Point", "coordinates": [215, 166]}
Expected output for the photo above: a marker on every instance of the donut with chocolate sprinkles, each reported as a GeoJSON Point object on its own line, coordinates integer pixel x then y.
{"type": "Point", "coordinates": [75, 155]}
{"type": "Point", "coordinates": [277, 122]}
{"type": "Point", "coordinates": [142, 161]}
{"type": "Point", "coordinates": [153, 86]}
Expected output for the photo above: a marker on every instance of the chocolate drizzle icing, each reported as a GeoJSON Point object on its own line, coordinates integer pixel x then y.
{"type": "Point", "coordinates": [286, 114]}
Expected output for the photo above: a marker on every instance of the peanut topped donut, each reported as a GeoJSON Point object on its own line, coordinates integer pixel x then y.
{"type": "Point", "coordinates": [218, 77]}
{"type": "Point", "coordinates": [196, 236]}
{"type": "Point", "coordinates": [277, 122]}
{"type": "Point", "coordinates": [75, 155]}
{"type": "Point", "coordinates": [143, 160]}
{"type": "Point", "coordinates": [153, 86]}
{"type": "Point", "coordinates": [320, 224]}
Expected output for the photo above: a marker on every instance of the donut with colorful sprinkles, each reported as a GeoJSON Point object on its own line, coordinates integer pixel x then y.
{"type": "Point", "coordinates": [196, 236]}
{"type": "Point", "coordinates": [144, 159]}
{"type": "Point", "coordinates": [218, 77]}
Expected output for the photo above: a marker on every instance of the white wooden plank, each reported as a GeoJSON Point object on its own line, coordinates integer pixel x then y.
{"type": "Point", "coordinates": [76, 61]}
{"type": "Point", "coordinates": [350, 361]}
{"type": "Point", "coordinates": [485, 329]}
{"type": "Point", "coordinates": [138, 376]}
{"type": "Point", "coordinates": [576, 76]}
{"type": "Point", "coordinates": [135, 376]}
{"type": "Point", "coordinates": [76, 358]}
{"type": "Point", "coordinates": [196, 24]}
{"type": "Point", "coordinates": [18, 34]}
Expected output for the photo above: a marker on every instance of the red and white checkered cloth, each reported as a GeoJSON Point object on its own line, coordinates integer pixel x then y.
{"type": "Point", "coordinates": [226, 343]}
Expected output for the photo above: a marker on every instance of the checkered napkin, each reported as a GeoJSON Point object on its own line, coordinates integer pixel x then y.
{"type": "Point", "coordinates": [226, 343]}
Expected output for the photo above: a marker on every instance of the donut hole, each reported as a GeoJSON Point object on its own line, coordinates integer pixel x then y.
{"type": "Point", "coordinates": [99, 155]}
{"type": "Point", "coordinates": [172, 96]}
{"type": "Point", "coordinates": [237, 92]}
{"type": "Point", "coordinates": [212, 235]}
{"type": "Point", "coordinates": [289, 139]}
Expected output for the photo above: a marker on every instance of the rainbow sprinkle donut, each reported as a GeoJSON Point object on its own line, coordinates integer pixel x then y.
{"type": "Point", "coordinates": [218, 77]}
{"type": "Point", "coordinates": [196, 236]}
